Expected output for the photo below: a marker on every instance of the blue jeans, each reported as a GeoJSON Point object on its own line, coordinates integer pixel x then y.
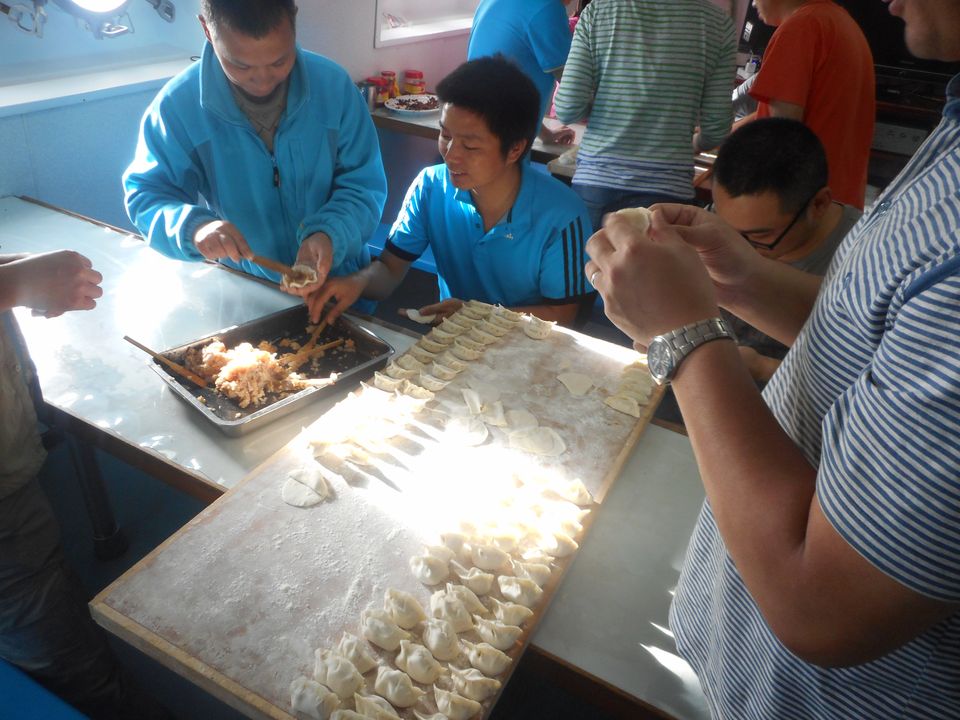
{"type": "Point", "coordinates": [603, 200]}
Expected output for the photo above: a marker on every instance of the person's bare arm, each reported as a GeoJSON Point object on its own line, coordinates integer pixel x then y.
{"type": "Point", "coordinates": [779, 108]}
{"type": "Point", "coordinates": [50, 283]}
{"type": "Point", "coordinates": [822, 599]}
{"type": "Point", "coordinates": [376, 281]}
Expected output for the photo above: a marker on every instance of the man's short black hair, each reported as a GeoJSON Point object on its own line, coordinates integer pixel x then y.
{"type": "Point", "coordinates": [501, 93]}
{"type": "Point", "coordinates": [772, 155]}
{"type": "Point", "coordinates": [255, 18]}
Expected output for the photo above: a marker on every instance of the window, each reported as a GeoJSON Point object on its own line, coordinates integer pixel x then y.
{"type": "Point", "coordinates": [404, 21]}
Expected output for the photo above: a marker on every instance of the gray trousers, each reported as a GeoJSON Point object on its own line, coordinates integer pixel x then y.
{"type": "Point", "coordinates": [45, 625]}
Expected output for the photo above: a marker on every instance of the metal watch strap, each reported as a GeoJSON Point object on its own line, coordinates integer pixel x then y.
{"type": "Point", "coordinates": [686, 338]}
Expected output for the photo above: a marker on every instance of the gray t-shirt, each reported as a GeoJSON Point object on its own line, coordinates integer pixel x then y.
{"type": "Point", "coordinates": [817, 262]}
{"type": "Point", "coordinates": [264, 116]}
{"type": "Point", "coordinates": [21, 451]}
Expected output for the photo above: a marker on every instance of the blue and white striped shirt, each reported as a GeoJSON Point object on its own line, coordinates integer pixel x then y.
{"type": "Point", "coordinates": [870, 392]}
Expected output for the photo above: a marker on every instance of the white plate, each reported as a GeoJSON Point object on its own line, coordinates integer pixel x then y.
{"type": "Point", "coordinates": [394, 104]}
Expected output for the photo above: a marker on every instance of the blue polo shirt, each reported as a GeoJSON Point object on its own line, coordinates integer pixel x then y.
{"type": "Point", "coordinates": [535, 34]}
{"type": "Point", "coordinates": [533, 256]}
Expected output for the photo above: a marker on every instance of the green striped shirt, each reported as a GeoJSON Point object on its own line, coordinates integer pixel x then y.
{"type": "Point", "coordinates": [647, 73]}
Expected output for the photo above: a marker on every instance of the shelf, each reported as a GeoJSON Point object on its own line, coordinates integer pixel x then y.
{"type": "Point", "coordinates": [416, 31]}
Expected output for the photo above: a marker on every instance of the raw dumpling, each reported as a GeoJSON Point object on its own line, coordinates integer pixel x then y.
{"type": "Point", "coordinates": [492, 414]}
{"type": "Point", "coordinates": [465, 353]}
{"type": "Point", "coordinates": [452, 326]}
{"type": "Point", "coordinates": [638, 217]}
{"type": "Point", "coordinates": [488, 557]}
{"type": "Point", "coordinates": [419, 317]}
{"type": "Point", "coordinates": [375, 707]}
{"type": "Point", "coordinates": [299, 495]}
{"type": "Point", "coordinates": [501, 636]}
{"type": "Point", "coordinates": [468, 598]}
{"type": "Point", "coordinates": [506, 314]}
{"type": "Point", "coordinates": [312, 699]}
{"type": "Point", "coordinates": [560, 545]}
{"type": "Point", "coordinates": [415, 391]}
{"type": "Point", "coordinates": [397, 687]}
{"type": "Point", "coordinates": [493, 328]}
{"type": "Point", "coordinates": [577, 383]}
{"type": "Point", "coordinates": [442, 336]}
{"type": "Point", "coordinates": [397, 372]}
{"type": "Point", "coordinates": [519, 590]}
{"type": "Point", "coordinates": [431, 382]}
{"type": "Point", "coordinates": [484, 308]}
{"type": "Point", "coordinates": [447, 605]}
{"type": "Point", "coordinates": [624, 404]}
{"type": "Point", "coordinates": [337, 673]}
{"type": "Point", "coordinates": [520, 419]}
{"type": "Point", "coordinates": [403, 608]}
{"type": "Point", "coordinates": [473, 684]}
{"type": "Point", "coordinates": [537, 572]}
{"type": "Point", "coordinates": [441, 639]}
{"type": "Point", "coordinates": [453, 706]}
{"type": "Point", "coordinates": [347, 715]}
{"type": "Point", "coordinates": [458, 542]}
{"type": "Point", "coordinates": [476, 579]}
{"type": "Point", "coordinates": [538, 329]}
{"type": "Point", "coordinates": [409, 362]}
{"type": "Point", "coordinates": [428, 569]}
{"type": "Point", "coordinates": [511, 613]}
{"type": "Point", "coordinates": [384, 382]}
{"type": "Point", "coordinates": [441, 552]}
{"type": "Point", "coordinates": [481, 336]}
{"type": "Point", "coordinates": [431, 345]}
{"type": "Point", "coordinates": [381, 630]}
{"type": "Point", "coordinates": [573, 491]}
{"type": "Point", "coordinates": [424, 356]}
{"type": "Point", "coordinates": [357, 653]}
{"type": "Point", "coordinates": [486, 658]}
{"type": "Point", "coordinates": [472, 400]}
{"type": "Point", "coordinates": [538, 440]}
{"type": "Point", "coordinates": [466, 431]}
{"type": "Point", "coordinates": [415, 660]}
{"type": "Point", "coordinates": [441, 371]}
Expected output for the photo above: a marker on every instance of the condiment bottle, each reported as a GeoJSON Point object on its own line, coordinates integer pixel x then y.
{"type": "Point", "coordinates": [413, 83]}
{"type": "Point", "coordinates": [391, 77]}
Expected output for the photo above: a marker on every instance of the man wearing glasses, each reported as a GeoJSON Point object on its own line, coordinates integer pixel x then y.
{"type": "Point", "coordinates": [770, 184]}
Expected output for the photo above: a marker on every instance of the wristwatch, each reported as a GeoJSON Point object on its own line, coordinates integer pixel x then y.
{"type": "Point", "coordinates": [666, 352]}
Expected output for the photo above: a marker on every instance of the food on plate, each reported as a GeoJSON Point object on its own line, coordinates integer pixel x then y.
{"type": "Point", "coordinates": [414, 103]}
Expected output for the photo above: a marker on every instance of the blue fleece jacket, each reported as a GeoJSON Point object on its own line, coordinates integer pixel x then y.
{"type": "Point", "coordinates": [198, 159]}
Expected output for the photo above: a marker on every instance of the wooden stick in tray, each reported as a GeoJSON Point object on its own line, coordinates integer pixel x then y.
{"type": "Point", "coordinates": [176, 367]}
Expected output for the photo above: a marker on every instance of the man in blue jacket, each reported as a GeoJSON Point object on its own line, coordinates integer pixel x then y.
{"type": "Point", "coordinates": [258, 148]}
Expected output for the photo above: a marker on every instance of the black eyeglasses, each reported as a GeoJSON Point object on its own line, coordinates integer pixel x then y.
{"type": "Point", "coordinates": [787, 229]}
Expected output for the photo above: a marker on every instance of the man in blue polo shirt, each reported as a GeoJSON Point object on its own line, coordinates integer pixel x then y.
{"type": "Point", "coordinates": [535, 34]}
{"type": "Point", "coordinates": [499, 231]}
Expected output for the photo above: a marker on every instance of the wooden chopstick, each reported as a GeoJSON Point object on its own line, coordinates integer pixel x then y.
{"type": "Point", "coordinates": [273, 265]}
{"type": "Point", "coordinates": [176, 367]}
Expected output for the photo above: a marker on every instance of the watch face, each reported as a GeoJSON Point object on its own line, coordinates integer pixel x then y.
{"type": "Point", "coordinates": [660, 359]}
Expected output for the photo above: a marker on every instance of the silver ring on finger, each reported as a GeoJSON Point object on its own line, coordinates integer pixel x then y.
{"type": "Point", "coordinates": [593, 277]}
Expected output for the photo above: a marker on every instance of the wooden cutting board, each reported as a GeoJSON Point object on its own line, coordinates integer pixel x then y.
{"type": "Point", "coordinates": [238, 600]}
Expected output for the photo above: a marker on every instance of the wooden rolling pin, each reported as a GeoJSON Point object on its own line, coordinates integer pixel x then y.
{"type": "Point", "coordinates": [176, 367]}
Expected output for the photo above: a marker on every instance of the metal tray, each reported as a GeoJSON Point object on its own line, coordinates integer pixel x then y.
{"type": "Point", "coordinates": [371, 353]}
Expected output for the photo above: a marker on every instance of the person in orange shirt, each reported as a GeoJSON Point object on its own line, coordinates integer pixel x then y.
{"type": "Point", "coordinates": [818, 68]}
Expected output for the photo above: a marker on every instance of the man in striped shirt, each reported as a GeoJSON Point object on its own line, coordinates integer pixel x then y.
{"type": "Point", "coordinates": [646, 73]}
{"type": "Point", "coordinates": [823, 576]}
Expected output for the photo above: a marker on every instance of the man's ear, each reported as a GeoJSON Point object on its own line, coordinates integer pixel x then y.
{"type": "Point", "coordinates": [821, 202]}
{"type": "Point", "coordinates": [206, 30]}
{"type": "Point", "coordinates": [516, 150]}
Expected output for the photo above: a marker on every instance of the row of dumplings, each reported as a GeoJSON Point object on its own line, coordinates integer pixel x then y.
{"type": "Point", "coordinates": [486, 558]}
{"type": "Point", "coordinates": [633, 390]}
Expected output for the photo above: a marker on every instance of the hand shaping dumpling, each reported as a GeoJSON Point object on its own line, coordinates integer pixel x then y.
{"type": "Point", "coordinates": [381, 630]}
{"type": "Point", "coordinates": [473, 684]}
{"type": "Point", "coordinates": [453, 706]}
{"type": "Point", "coordinates": [403, 608]}
{"type": "Point", "coordinates": [351, 648]}
{"type": "Point", "coordinates": [396, 686]}
{"type": "Point", "coordinates": [486, 658]}
{"type": "Point", "coordinates": [337, 673]}
{"type": "Point", "coordinates": [312, 699]}
{"type": "Point", "coordinates": [415, 660]}
{"type": "Point", "coordinates": [441, 639]}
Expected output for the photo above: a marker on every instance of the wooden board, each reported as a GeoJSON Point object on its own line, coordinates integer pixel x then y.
{"type": "Point", "coordinates": [239, 599]}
